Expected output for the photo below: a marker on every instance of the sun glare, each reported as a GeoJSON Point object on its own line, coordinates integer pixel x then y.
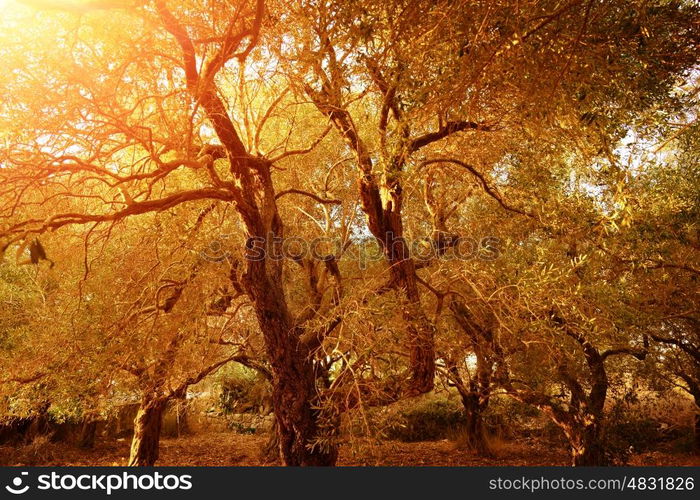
{"type": "Point", "coordinates": [15, 6]}
{"type": "Point", "coordinates": [10, 11]}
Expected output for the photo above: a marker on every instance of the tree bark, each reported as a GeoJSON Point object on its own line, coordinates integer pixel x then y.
{"type": "Point", "coordinates": [294, 383]}
{"type": "Point", "coordinates": [476, 393]}
{"type": "Point", "coordinates": [421, 331]}
{"type": "Point", "coordinates": [298, 422]}
{"type": "Point", "coordinates": [587, 448]}
{"type": "Point", "coordinates": [696, 434]}
{"type": "Point", "coordinates": [88, 430]}
{"type": "Point", "coordinates": [475, 429]}
{"type": "Point", "coordinates": [696, 426]}
{"type": "Point", "coordinates": [586, 410]}
{"type": "Point", "coordinates": [580, 420]}
{"type": "Point", "coordinates": [147, 425]}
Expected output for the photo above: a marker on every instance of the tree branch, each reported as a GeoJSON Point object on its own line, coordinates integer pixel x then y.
{"type": "Point", "coordinates": [328, 201]}
{"type": "Point", "coordinates": [482, 180]}
{"type": "Point", "coordinates": [449, 128]}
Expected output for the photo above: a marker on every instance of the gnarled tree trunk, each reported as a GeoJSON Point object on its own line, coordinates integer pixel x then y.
{"type": "Point", "coordinates": [421, 331]}
{"type": "Point", "coordinates": [477, 439]}
{"type": "Point", "coordinates": [293, 375]}
{"type": "Point", "coordinates": [695, 391]}
{"type": "Point", "coordinates": [587, 448]}
{"type": "Point", "coordinates": [581, 418]}
{"type": "Point", "coordinates": [147, 425]}
{"type": "Point", "coordinates": [475, 394]}
{"type": "Point", "coordinates": [694, 386]}
{"type": "Point", "coordinates": [298, 423]}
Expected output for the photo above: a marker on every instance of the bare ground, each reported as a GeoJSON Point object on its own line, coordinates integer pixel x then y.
{"type": "Point", "coordinates": [227, 448]}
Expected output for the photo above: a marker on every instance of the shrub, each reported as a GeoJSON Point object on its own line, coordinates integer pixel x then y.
{"type": "Point", "coordinates": [39, 451]}
{"type": "Point", "coordinates": [509, 418]}
{"type": "Point", "coordinates": [630, 429]}
{"type": "Point", "coordinates": [427, 421]}
{"type": "Point", "coordinates": [244, 391]}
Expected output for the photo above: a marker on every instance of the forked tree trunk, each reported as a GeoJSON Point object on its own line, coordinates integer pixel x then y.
{"type": "Point", "coordinates": [585, 435]}
{"type": "Point", "coordinates": [476, 394]}
{"type": "Point", "coordinates": [294, 385]}
{"type": "Point", "coordinates": [147, 426]}
{"type": "Point", "coordinates": [381, 200]}
{"type": "Point", "coordinates": [582, 428]}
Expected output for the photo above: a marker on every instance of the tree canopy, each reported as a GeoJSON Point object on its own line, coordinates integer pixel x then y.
{"type": "Point", "coordinates": [355, 199]}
